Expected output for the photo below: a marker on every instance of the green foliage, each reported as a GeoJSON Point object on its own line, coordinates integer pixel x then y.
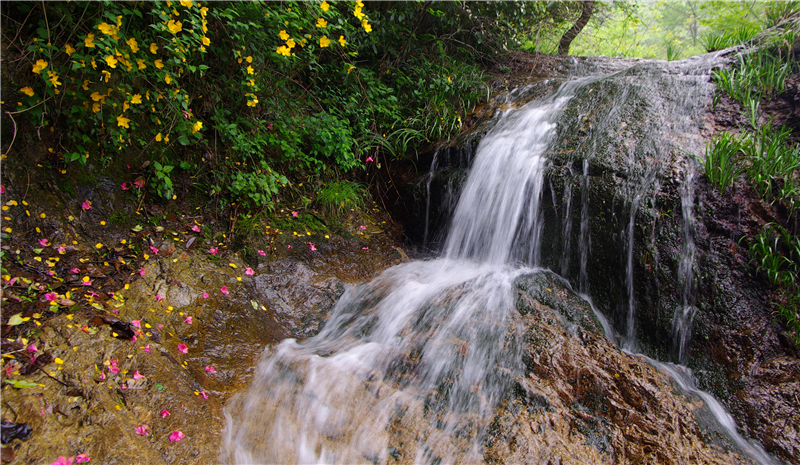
{"type": "Point", "coordinates": [256, 189]}
{"type": "Point", "coordinates": [774, 164]}
{"type": "Point", "coordinates": [722, 162]}
{"type": "Point", "coordinates": [340, 197]}
{"type": "Point", "coordinates": [713, 41]}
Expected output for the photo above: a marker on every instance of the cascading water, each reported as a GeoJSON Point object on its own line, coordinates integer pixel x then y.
{"type": "Point", "coordinates": [425, 349]}
{"type": "Point", "coordinates": [684, 313]}
{"type": "Point", "coordinates": [422, 355]}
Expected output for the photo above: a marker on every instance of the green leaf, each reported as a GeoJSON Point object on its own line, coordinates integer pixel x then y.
{"type": "Point", "coordinates": [137, 228]}
{"type": "Point", "coordinates": [20, 384]}
{"type": "Point", "coordinates": [159, 386]}
{"type": "Point", "coordinates": [15, 320]}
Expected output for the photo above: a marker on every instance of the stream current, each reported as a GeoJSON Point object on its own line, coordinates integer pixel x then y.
{"type": "Point", "coordinates": [424, 353]}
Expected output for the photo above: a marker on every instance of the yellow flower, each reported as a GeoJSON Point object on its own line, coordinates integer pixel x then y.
{"type": "Point", "coordinates": [122, 121]}
{"type": "Point", "coordinates": [95, 107]}
{"type": "Point", "coordinates": [357, 13]}
{"type": "Point", "coordinates": [153, 48]}
{"type": "Point", "coordinates": [158, 64]}
{"type": "Point", "coordinates": [186, 3]}
{"type": "Point", "coordinates": [249, 59]}
{"type": "Point", "coordinates": [324, 5]}
{"type": "Point", "coordinates": [86, 84]}
{"type": "Point", "coordinates": [206, 40]}
{"type": "Point", "coordinates": [111, 61]}
{"type": "Point", "coordinates": [367, 26]}
{"type": "Point", "coordinates": [88, 42]}
{"type": "Point", "coordinates": [283, 35]}
{"type": "Point", "coordinates": [158, 137]}
{"type": "Point", "coordinates": [321, 22]}
{"type": "Point", "coordinates": [174, 26]}
{"type": "Point", "coordinates": [39, 66]}
{"type": "Point", "coordinates": [324, 42]}
{"type": "Point", "coordinates": [290, 43]}
{"type": "Point", "coordinates": [197, 126]}
{"type": "Point", "coordinates": [97, 96]}
{"type": "Point", "coordinates": [359, 4]}
{"type": "Point", "coordinates": [203, 11]}
{"type": "Point", "coordinates": [137, 98]}
{"type": "Point", "coordinates": [249, 70]}
{"type": "Point", "coordinates": [125, 106]}
{"type": "Point", "coordinates": [133, 44]}
{"type": "Point", "coordinates": [140, 64]}
{"type": "Point", "coordinates": [94, 65]}
{"type": "Point", "coordinates": [351, 68]}
{"type": "Point", "coordinates": [27, 91]}
{"type": "Point", "coordinates": [106, 75]}
{"type": "Point", "coordinates": [167, 79]}
{"type": "Point", "coordinates": [53, 77]}
{"type": "Point", "coordinates": [342, 42]}
{"type": "Point", "coordinates": [204, 24]}
{"type": "Point", "coordinates": [283, 50]}
{"type": "Point", "coordinates": [70, 49]}
{"type": "Point", "coordinates": [108, 30]}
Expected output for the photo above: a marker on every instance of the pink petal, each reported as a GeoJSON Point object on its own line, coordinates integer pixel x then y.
{"type": "Point", "coordinates": [311, 246]}
{"type": "Point", "coordinates": [146, 348]}
{"type": "Point", "coordinates": [43, 242]}
{"type": "Point", "coordinates": [196, 228]}
{"type": "Point", "coordinates": [137, 375]}
{"type": "Point", "coordinates": [143, 430]}
{"type": "Point", "coordinates": [138, 183]}
{"type": "Point", "coordinates": [51, 296]}
{"type": "Point", "coordinates": [154, 250]}
{"type": "Point", "coordinates": [363, 227]}
{"type": "Point", "coordinates": [203, 394]}
{"type": "Point", "coordinates": [124, 186]}
{"type": "Point", "coordinates": [87, 205]}
{"type": "Point", "coordinates": [288, 246]}
{"type": "Point", "coordinates": [86, 283]}
{"type": "Point", "coordinates": [32, 348]}
{"type": "Point", "coordinates": [205, 295]}
{"type": "Point", "coordinates": [213, 250]}
{"type": "Point", "coordinates": [176, 436]}
{"type": "Point", "coordinates": [364, 248]}
{"type": "Point", "coordinates": [137, 323]}
{"type": "Point", "coordinates": [63, 461]}
{"type": "Point", "coordinates": [369, 159]}
{"type": "Point", "coordinates": [159, 298]}
{"type": "Point", "coordinates": [188, 320]}
{"type": "Point", "coordinates": [210, 369]}
{"type": "Point", "coordinates": [261, 252]}
{"type": "Point", "coordinates": [294, 214]}
{"type": "Point", "coordinates": [182, 348]}
{"type": "Point", "coordinates": [141, 272]}
{"type": "Point", "coordinates": [3, 188]}
{"type": "Point", "coordinates": [224, 290]}
{"type": "Point", "coordinates": [114, 370]}
{"type": "Point", "coordinates": [61, 249]}
{"type": "Point", "coordinates": [249, 271]}
{"type": "Point", "coordinates": [81, 458]}
{"type": "Point", "coordinates": [164, 414]}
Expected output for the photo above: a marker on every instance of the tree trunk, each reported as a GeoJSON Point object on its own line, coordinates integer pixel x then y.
{"type": "Point", "coordinates": [572, 33]}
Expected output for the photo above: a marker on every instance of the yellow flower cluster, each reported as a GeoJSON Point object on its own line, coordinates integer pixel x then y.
{"type": "Point", "coordinates": [285, 50]}
{"type": "Point", "coordinates": [361, 16]}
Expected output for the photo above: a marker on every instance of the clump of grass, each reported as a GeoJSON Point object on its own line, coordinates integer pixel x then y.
{"type": "Point", "coordinates": [723, 161]}
{"type": "Point", "coordinates": [341, 196]}
{"type": "Point", "coordinates": [773, 163]}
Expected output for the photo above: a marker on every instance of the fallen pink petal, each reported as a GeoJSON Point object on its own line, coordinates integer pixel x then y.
{"type": "Point", "coordinates": [224, 290]}
{"type": "Point", "coordinates": [262, 253]}
{"type": "Point", "coordinates": [205, 295]}
{"type": "Point", "coordinates": [176, 436]}
{"type": "Point", "coordinates": [288, 246]}
{"type": "Point", "coordinates": [249, 271]}
{"type": "Point", "coordinates": [294, 214]}
{"type": "Point", "coordinates": [141, 272]}
{"type": "Point", "coordinates": [63, 461]}
{"type": "Point", "coordinates": [86, 283]}
{"type": "Point", "coordinates": [87, 205]}
{"type": "Point", "coordinates": [44, 242]}
{"type": "Point", "coordinates": [164, 414]}
{"type": "Point", "coordinates": [203, 394]}
{"type": "Point", "coordinates": [364, 248]}
{"type": "Point", "coordinates": [146, 348]}
{"type": "Point", "coordinates": [75, 271]}
{"type": "Point", "coordinates": [124, 186]}
{"type": "Point", "coordinates": [213, 250]}
{"type": "Point", "coordinates": [82, 458]}
{"type": "Point", "coordinates": [154, 250]}
{"type": "Point", "coordinates": [196, 228]}
{"type": "Point", "coordinates": [311, 246]}
{"type": "Point", "coordinates": [51, 296]}
{"type": "Point", "coordinates": [159, 297]}
{"type": "Point", "coordinates": [143, 430]}
{"type": "Point", "coordinates": [188, 320]}
{"type": "Point", "coordinates": [210, 369]}
{"type": "Point", "coordinates": [139, 183]}
{"type": "Point", "coordinates": [32, 348]}
{"type": "Point", "coordinates": [369, 159]}
{"type": "Point", "coordinates": [137, 375]}
{"type": "Point", "coordinates": [137, 323]}
{"type": "Point", "coordinates": [182, 348]}
{"type": "Point", "coordinates": [363, 227]}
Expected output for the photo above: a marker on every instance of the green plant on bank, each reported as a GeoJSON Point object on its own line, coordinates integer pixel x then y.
{"type": "Point", "coordinates": [773, 163]}
{"type": "Point", "coordinates": [713, 42]}
{"type": "Point", "coordinates": [722, 162]}
{"type": "Point", "coordinates": [340, 197]}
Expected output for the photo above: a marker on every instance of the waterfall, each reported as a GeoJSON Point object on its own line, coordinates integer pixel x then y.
{"type": "Point", "coordinates": [423, 354]}
{"type": "Point", "coordinates": [426, 349]}
{"type": "Point", "coordinates": [431, 173]}
{"type": "Point", "coordinates": [684, 313]}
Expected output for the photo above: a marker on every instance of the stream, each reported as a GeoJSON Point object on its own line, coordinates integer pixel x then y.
{"type": "Point", "coordinates": [414, 365]}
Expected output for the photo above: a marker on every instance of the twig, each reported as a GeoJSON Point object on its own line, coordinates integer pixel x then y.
{"type": "Point", "coordinates": [15, 132]}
